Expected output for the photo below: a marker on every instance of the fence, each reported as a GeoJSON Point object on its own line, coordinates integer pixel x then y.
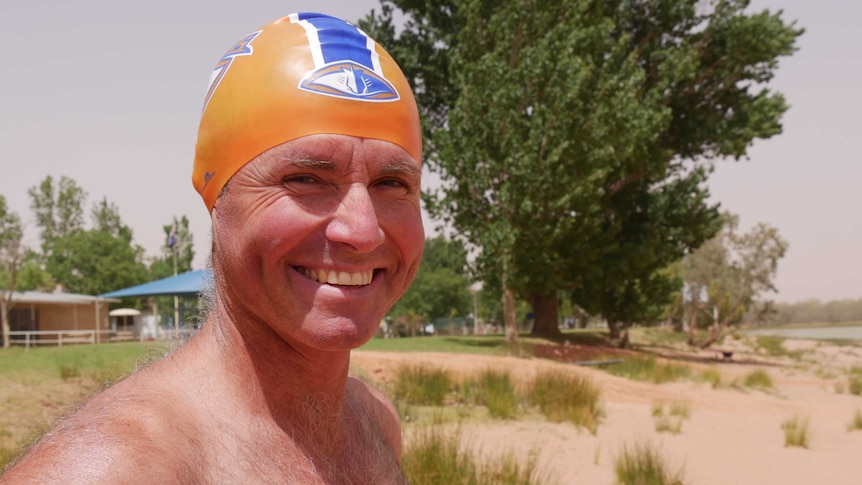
{"type": "Point", "coordinates": [29, 338]}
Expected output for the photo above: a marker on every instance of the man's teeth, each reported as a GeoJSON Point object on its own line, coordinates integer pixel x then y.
{"type": "Point", "coordinates": [340, 277]}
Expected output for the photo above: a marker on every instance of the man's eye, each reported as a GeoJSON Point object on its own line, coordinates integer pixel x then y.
{"type": "Point", "coordinates": [392, 183]}
{"type": "Point", "coordinates": [300, 179]}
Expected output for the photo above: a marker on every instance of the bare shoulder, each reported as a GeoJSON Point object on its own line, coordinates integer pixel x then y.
{"type": "Point", "coordinates": [126, 434]}
{"type": "Point", "coordinates": [380, 409]}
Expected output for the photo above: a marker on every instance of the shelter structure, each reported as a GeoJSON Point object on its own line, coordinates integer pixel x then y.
{"type": "Point", "coordinates": [37, 316]}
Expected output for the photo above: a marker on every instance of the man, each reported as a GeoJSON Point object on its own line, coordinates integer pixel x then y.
{"type": "Point", "coordinates": [308, 158]}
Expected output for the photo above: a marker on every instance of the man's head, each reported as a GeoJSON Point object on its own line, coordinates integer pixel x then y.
{"type": "Point", "coordinates": [303, 74]}
{"type": "Point", "coordinates": [320, 230]}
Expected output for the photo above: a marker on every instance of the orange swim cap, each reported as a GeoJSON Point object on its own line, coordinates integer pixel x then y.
{"type": "Point", "coordinates": [303, 74]}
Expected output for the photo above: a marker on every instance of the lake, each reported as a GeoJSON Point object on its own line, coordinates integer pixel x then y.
{"type": "Point", "coordinates": [816, 333]}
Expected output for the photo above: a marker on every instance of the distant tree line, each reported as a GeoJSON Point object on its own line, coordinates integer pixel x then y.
{"type": "Point", "coordinates": [806, 311]}
{"type": "Point", "coordinates": [80, 256]}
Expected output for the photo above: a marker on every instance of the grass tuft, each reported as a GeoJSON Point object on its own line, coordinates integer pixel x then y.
{"type": "Point", "coordinates": [650, 370]}
{"type": "Point", "coordinates": [642, 464]}
{"type": "Point", "coordinates": [434, 456]}
{"type": "Point", "coordinates": [567, 397]}
{"type": "Point", "coordinates": [669, 417]}
{"type": "Point", "coordinates": [795, 432]}
{"type": "Point", "coordinates": [498, 394]}
{"type": "Point", "coordinates": [712, 376]}
{"type": "Point", "coordinates": [422, 385]}
{"type": "Point", "coordinates": [856, 422]}
{"type": "Point", "coordinates": [758, 379]}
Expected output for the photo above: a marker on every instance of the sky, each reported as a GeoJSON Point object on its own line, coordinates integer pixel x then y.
{"type": "Point", "coordinates": [109, 93]}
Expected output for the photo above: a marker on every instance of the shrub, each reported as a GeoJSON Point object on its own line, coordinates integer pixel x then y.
{"type": "Point", "coordinates": [795, 432]}
{"type": "Point", "coordinates": [758, 379]}
{"type": "Point", "coordinates": [642, 464]}
{"type": "Point", "coordinates": [567, 397]}
{"type": "Point", "coordinates": [422, 385]}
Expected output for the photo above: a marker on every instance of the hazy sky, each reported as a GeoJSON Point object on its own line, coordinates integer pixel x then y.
{"type": "Point", "coordinates": [109, 93]}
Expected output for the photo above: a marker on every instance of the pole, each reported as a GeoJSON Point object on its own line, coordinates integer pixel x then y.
{"type": "Point", "coordinates": [176, 298]}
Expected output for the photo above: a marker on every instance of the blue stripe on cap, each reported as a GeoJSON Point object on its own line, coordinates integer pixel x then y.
{"type": "Point", "coordinates": [339, 40]}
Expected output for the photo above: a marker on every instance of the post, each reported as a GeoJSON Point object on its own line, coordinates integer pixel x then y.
{"type": "Point", "coordinates": [173, 242]}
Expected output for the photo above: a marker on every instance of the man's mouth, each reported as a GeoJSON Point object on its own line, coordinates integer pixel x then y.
{"type": "Point", "coordinates": [342, 278]}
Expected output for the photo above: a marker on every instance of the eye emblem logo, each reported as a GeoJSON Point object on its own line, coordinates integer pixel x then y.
{"type": "Point", "coordinates": [348, 79]}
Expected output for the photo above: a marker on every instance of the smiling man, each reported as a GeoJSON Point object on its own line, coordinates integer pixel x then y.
{"type": "Point", "coordinates": [308, 159]}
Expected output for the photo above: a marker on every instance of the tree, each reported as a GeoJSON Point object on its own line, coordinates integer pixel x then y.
{"type": "Point", "coordinates": [561, 131]}
{"type": "Point", "coordinates": [735, 269]}
{"type": "Point", "coordinates": [11, 259]}
{"type": "Point", "coordinates": [441, 287]}
{"type": "Point", "coordinates": [84, 261]}
{"type": "Point", "coordinates": [179, 240]}
{"type": "Point", "coordinates": [59, 211]}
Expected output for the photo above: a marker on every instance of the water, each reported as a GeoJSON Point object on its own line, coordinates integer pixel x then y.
{"type": "Point", "coordinates": [819, 333]}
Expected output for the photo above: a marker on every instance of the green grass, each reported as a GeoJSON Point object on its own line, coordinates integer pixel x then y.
{"type": "Point", "coordinates": [649, 369]}
{"type": "Point", "coordinates": [643, 464]}
{"type": "Point", "coordinates": [83, 359]}
{"type": "Point", "coordinates": [422, 385]}
{"type": "Point", "coordinates": [567, 397]}
{"type": "Point", "coordinates": [710, 375]}
{"type": "Point", "coordinates": [795, 432]}
{"type": "Point", "coordinates": [758, 379]}
{"type": "Point", "coordinates": [435, 456]}
{"type": "Point", "coordinates": [854, 384]}
{"type": "Point", "coordinates": [774, 346]}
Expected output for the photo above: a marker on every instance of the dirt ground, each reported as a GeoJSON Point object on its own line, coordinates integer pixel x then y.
{"type": "Point", "coordinates": [733, 436]}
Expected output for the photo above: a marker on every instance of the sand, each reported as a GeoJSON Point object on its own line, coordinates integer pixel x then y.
{"type": "Point", "coordinates": [733, 435]}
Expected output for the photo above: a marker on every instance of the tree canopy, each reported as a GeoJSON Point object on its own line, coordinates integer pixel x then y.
{"type": "Point", "coordinates": [573, 139]}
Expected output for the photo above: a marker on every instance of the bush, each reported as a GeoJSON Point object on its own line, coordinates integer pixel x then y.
{"type": "Point", "coordinates": [567, 397]}
{"type": "Point", "coordinates": [795, 432]}
{"type": "Point", "coordinates": [641, 464]}
{"type": "Point", "coordinates": [497, 393]}
{"type": "Point", "coordinates": [422, 385]}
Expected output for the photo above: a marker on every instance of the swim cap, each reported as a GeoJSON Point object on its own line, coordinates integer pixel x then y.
{"type": "Point", "coordinates": [303, 74]}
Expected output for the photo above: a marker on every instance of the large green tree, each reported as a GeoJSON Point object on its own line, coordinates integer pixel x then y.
{"type": "Point", "coordinates": [11, 260]}
{"type": "Point", "coordinates": [568, 132]}
{"type": "Point", "coordinates": [90, 261]}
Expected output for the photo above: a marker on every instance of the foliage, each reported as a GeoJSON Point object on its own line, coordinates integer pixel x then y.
{"type": "Point", "coordinates": [434, 455]}
{"type": "Point", "coordinates": [89, 261]}
{"type": "Point", "coordinates": [11, 261]}
{"type": "Point", "coordinates": [179, 242]}
{"type": "Point", "coordinates": [573, 140]}
{"type": "Point", "coordinates": [441, 288]}
{"type": "Point", "coordinates": [809, 311]}
{"type": "Point", "coordinates": [494, 390]}
{"type": "Point", "coordinates": [734, 269]}
{"type": "Point", "coordinates": [669, 417]}
{"type": "Point", "coordinates": [643, 464]}
{"type": "Point", "coordinates": [795, 432]}
{"type": "Point", "coordinates": [566, 397]}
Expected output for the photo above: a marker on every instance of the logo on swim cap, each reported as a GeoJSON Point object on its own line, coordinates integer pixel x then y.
{"type": "Point", "coordinates": [242, 48]}
{"type": "Point", "coordinates": [345, 62]}
{"type": "Point", "coordinates": [349, 80]}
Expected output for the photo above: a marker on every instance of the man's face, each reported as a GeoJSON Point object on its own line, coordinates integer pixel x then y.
{"type": "Point", "coordinates": [317, 238]}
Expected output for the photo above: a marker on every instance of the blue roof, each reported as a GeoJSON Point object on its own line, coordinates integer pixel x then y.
{"type": "Point", "coordinates": [187, 284]}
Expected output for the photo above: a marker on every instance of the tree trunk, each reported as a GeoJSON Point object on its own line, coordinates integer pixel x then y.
{"type": "Point", "coordinates": [545, 309]}
{"type": "Point", "coordinates": [4, 317]}
{"type": "Point", "coordinates": [510, 319]}
{"type": "Point", "coordinates": [619, 333]}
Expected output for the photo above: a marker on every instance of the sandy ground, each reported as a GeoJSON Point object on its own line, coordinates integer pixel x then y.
{"type": "Point", "coordinates": [733, 436]}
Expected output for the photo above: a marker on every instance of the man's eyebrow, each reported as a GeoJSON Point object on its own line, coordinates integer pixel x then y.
{"type": "Point", "coordinates": [407, 168]}
{"type": "Point", "coordinates": [315, 163]}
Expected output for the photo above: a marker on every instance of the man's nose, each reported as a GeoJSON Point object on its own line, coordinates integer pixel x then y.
{"type": "Point", "coordinates": [355, 221]}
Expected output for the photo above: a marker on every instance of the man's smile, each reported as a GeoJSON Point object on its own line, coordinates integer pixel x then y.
{"type": "Point", "coordinates": [343, 278]}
